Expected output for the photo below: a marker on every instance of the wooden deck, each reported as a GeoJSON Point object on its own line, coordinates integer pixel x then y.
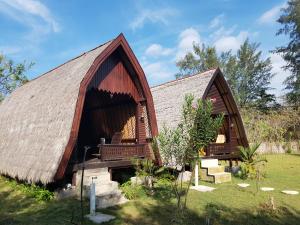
{"type": "Point", "coordinates": [222, 151]}
{"type": "Point", "coordinates": [113, 152]}
{"type": "Point", "coordinates": [114, 155]}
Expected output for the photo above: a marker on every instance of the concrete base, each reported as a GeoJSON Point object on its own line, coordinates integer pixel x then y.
{"type": "Point", "coordinates": [209, 162]}
{"type": "Point", "coordinates": [184, 176]}
{"type": "Point", "coordinates": [107, 191]}
{"type": "Point", "coordinates": [100, 218]}
{"type": "Point", "coordinates": [115, 197]}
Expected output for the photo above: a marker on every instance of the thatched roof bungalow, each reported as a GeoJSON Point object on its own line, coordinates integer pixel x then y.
{"type": "Point", "coordinates": [169, 97]}
{"type": "Point", "coordinates": [99, 96]}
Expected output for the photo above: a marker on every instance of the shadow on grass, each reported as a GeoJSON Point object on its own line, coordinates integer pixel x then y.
{"type": "Point", "coordinates": [157, 210]}
{"type": "Point", "coordinates": [295, 154]}
{"type": "Point", "coordinates": [19, 209]}
{"type": "Point", "coordinates": [221, 214]}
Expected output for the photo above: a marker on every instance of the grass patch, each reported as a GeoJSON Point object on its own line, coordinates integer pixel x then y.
{"type": "Point", "coordinates": [38, 192]}
{"type": "Point", "coordinates": [228, 204]}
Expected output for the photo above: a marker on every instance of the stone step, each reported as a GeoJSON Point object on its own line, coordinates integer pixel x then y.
{"type": "Point", "coordinates": [218, 169]}
{"type": "Point", "coordinates": [102, 176]}
{"type": "Point", "coordinates": [209, 163]}
{"type": "Point", "coordinates": [221, 177]}
{"type": "Point", "coordinates": [109, 200]}
{"type": "Point", "coordinates": [94, 172]}
{"type": "Point", "coordinates": [107, 188]}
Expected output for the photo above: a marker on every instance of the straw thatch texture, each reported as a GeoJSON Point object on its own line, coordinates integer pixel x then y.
{"type": "Point", "coordinates": [169, 97]}
{"type": "Point", "coordinates": [36, 120]}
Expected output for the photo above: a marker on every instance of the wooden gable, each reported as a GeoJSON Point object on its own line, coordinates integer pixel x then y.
{"type": "Point", "coordinates": [217, 100]}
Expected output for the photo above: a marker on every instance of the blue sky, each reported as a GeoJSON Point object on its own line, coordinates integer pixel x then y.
{"type": "Point", "coordinates": [49, 33]}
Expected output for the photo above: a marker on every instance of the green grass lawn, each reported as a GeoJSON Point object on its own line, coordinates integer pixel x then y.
{"type": "Point", "coordinates": [228, 204]}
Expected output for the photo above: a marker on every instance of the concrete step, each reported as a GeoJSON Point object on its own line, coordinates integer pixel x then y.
{"type": "Point", "coordinates": [102, 176]}
{"type": "Point", "coordinates": [209, 163]}
{"type": "Point", "coordinates": [106, 188]}
{"type": "Point", "coordinates": [109, 200]}
{"type": "Point", "coordinates": [221, 177]}
{"type": "Point", "coordinates": [218, 169]}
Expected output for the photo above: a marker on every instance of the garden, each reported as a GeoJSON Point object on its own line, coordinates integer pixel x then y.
{"type": "Point", "coordinates": [227, 204]}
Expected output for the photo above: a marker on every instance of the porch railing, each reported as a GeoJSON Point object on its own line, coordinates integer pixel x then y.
{"type": "Point", "coordinates": [111, 152]}
{"type": "Point", "coordinates": [222, 150]}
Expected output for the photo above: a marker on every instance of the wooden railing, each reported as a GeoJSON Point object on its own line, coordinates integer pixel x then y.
{"type": "Point", "coordinates": [221, 150]}
{"type": "Point", "coordinates": [111, 152]}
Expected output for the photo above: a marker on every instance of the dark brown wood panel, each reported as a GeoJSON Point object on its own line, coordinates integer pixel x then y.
{"type": "Point", "coordinates": [218, 102]}
{"type": "Point", "coordinates": [113, 77]}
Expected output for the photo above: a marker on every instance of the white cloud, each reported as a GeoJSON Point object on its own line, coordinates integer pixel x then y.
{"type": "Point", "coordinates": [157, 72]}
{"type": "Point", "coordinates": [9, 50]}
{"type": "Point", "coordinates": [271, 15]}
{"type": "Point", "coordinates": [232, 43]}
{"type": "Point", "coordinates": [222, 31]}
{"type": "Point", "coordinates": [155, 50]}
{"type": "Point", "coordinates": [186, 40]}
{"type": "Point", "coordinates": [217, 21]}
{"type": "Point", "coordinates": [31, 13]}
{"type": "Point", "coordinates": [153, 16]}
{"type": "Point", "coordinates": [280, 74]}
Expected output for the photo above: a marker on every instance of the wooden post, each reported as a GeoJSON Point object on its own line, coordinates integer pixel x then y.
{"type": "Point", "coordinates": [229, 134]}
{"type": "Point", "coordinates": [137, 123]}
{"type": "Point", "coordinates": [229, 127]}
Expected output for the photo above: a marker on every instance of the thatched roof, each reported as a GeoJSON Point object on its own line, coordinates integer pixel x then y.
{"type": "Point", "coordinates": [169, 97]}
{"type": "Point", "coordinates": [36, 120]}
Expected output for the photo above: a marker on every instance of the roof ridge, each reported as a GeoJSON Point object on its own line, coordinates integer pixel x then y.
{"type": "Point", "coordinates": [184, 77]}
{"type": "Point", "coordinates": [70, 60]}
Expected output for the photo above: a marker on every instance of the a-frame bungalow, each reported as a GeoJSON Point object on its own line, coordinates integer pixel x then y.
{"type": "Point", "coordinates": [99, 99]}
{"type": "Point", "coordinates": [169, 97]}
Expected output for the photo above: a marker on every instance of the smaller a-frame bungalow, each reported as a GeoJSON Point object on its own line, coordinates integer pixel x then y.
{"type": "Point", "coordinates": [169, 97]}
{"type": "Point", "coordinates": [99, 99]}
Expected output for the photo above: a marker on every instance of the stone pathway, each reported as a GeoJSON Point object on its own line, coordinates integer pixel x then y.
{"type": "Point", "coordinates": [267, 189]}
{"type": "Point", "coordinates": [243, 185]}
{"type": "Point", "coordinates": [202, 188]}
{"type": "Point", "coordinates": [290, 192]}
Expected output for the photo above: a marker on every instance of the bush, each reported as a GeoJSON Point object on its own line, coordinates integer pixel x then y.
{"type": "Point", "coordinates": [251, 161]}
{"type": "Point", "coordinates": [132, 191]}
{"type": "Point", "coordinates": [246, 171]}
{"type": "Point", "coordinates": [273, 126]}
{"type": "Point", "coordinates": [32, 190]}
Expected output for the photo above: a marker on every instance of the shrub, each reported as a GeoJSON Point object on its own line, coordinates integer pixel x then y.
{"type": "Point", "coordinates": [32, 190]}
{"type": "Point", "coordinates": [132, 191]}
{"type": "Point", "coordinates": [251, 161]}
{"type": "Point", "coordinates": [273, 126]}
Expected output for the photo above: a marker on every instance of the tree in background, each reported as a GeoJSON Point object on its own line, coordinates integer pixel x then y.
{"type": "Point", "coordinates": [248, 75]}
{"type": "Point", "coordinates": [11, 76]}
{"type": "Point", "coordinates": [290, 19]}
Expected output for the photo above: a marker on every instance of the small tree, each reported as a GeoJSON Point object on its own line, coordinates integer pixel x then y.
{"type": "Point", "coordinates": [251, 166]}
{"type": "Point", "coordinates": [180, 146]}
{"type": "Point", "coordinates": [11, 75]}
